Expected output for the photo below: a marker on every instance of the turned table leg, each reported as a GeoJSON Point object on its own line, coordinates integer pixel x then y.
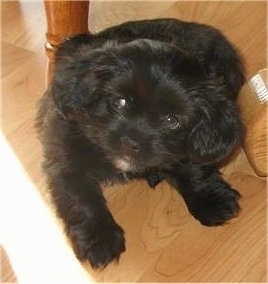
{"type": "Point", "coordinates": [64, 19]}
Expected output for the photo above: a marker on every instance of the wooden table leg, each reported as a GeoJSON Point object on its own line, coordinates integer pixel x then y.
{"type": "Point", "coordinates": [64, 19]}
{"type": "Point", "coordinates": [254, 114]}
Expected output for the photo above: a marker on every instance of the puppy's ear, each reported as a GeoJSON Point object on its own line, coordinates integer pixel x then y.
{"type": "Point", "coordinates": [71, 89]}
{"type": "Point", "coordinates": [73, 79]}
{"type": "Point", "coordinates": [218, 131]}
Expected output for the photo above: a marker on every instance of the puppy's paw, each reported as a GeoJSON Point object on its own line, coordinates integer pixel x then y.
{"type": "Point", "coordinates": [106, 246]}
{"type": "Point", "coordinates": [215, 208]}
{"type": "Point", "coordinates": [99, 246]}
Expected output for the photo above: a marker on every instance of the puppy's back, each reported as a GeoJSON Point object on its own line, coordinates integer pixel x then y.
{"type": "Point", "coordinates": [219, 58]}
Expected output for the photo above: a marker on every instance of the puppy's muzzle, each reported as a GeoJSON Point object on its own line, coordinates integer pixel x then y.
{"type": "Point", "coordinates": [129, 145]}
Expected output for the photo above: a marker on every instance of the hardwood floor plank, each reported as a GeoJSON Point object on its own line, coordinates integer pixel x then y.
{"type": "Point", "coordinates": [7, 274]}
{"type": "Point", "coordinates": [23, 24]}
{"type": "Point", "coordinates": [12, 56]}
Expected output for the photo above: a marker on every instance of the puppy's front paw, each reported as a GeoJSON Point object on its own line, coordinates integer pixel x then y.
{"type": "Point", "coordinates": [99, 245]}
{"type": "Point", "coordinates": [215, 208]}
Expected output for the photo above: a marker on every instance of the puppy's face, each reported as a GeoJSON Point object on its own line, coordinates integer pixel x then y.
{"type": "Point", "coordinates": [139, 123]}
{"type": "Point", "coordinates": [146, 105]}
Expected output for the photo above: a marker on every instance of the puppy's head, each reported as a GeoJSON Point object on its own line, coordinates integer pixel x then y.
{"type": "Point", "coordinates": [145, 104]}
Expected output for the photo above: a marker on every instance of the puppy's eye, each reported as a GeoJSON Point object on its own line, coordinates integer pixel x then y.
{"type": "Point", "coordinates": [171, 121]}
{"type": "Point", "coordinates": [119, 103]}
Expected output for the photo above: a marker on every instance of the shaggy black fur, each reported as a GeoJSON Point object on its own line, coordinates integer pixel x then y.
{"type": "Point", "coordinates": [152, 99]}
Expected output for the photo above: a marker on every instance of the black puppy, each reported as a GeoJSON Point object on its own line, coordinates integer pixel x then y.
{"type": "Point", "coordinates": [153, 99]}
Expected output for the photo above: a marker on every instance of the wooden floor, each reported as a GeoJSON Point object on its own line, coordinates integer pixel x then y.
{"type": "Point", "coordinates": [164, 243]}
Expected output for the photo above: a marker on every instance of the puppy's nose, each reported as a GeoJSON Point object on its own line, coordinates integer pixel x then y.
{"type": "Point", "coordinates": [129, 144]}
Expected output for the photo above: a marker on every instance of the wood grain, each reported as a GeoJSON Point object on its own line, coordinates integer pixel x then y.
{"type": "Point", "coordinates": [64, 19]}
{"type": "Point", "coordinates": [256, 141]}
{"type": "Point", "coordinates": [7, 274]}
{"type": "Point", "coordinates": [254, 115]}
{"type": "Point", "coordinates": [164, 242]}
